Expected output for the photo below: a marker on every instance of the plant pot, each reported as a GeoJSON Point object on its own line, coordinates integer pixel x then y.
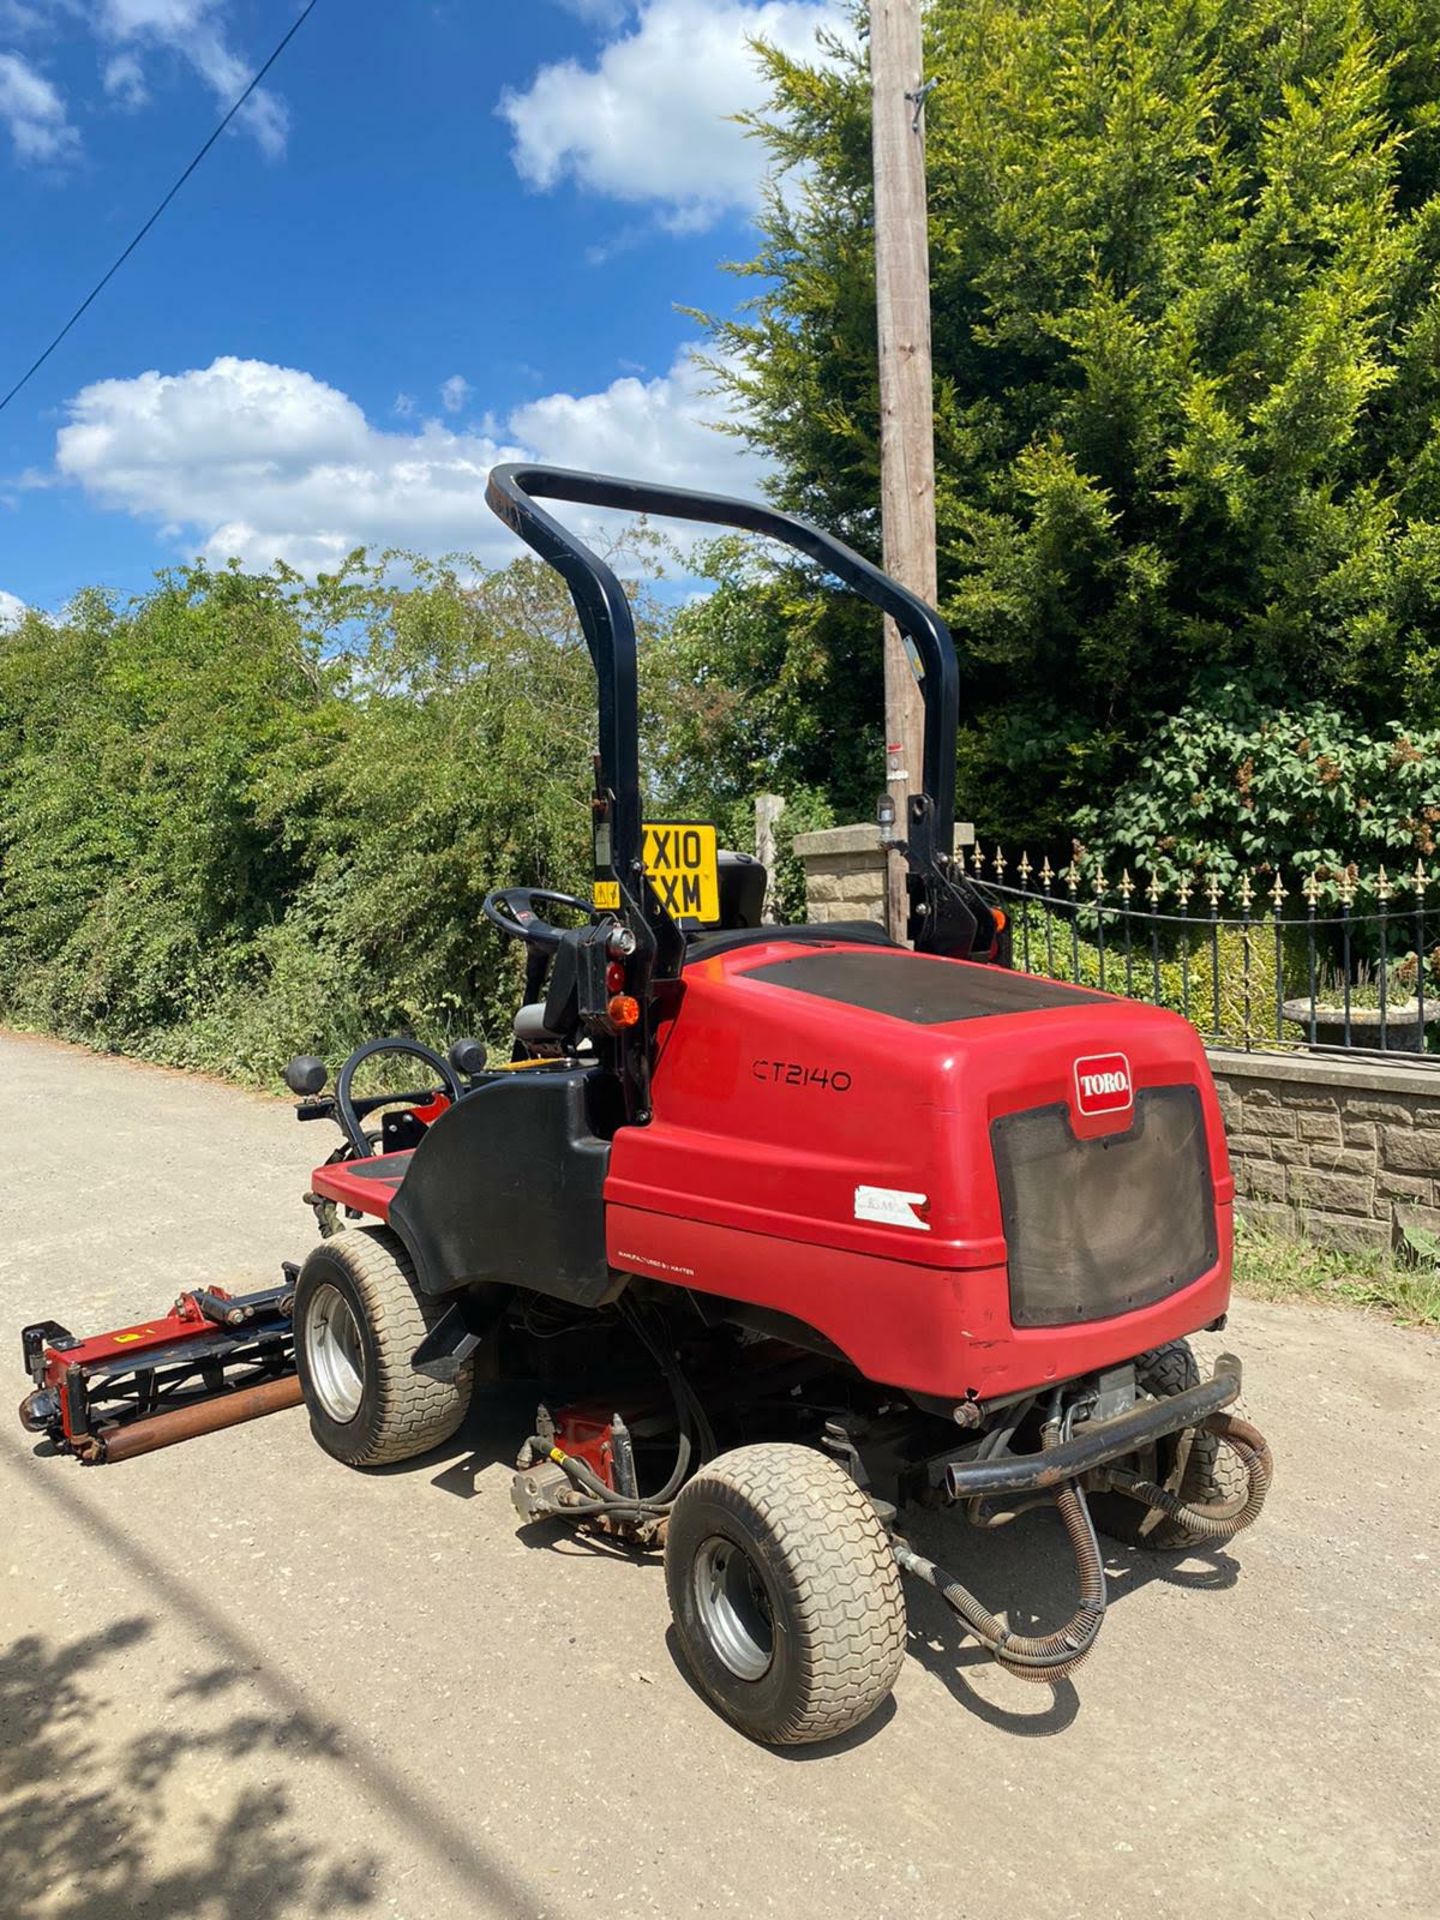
{"type": "Point", "coordinates": [1404, 1027]}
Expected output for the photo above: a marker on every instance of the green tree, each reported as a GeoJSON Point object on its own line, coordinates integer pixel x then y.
{"type": "Point", "coordinates": [246, 815]}
{"type": "Point", "coordinates": [1187, 358]}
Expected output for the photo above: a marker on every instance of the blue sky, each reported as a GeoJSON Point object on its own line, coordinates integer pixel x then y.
{"type": "Point", "coordinates": [445, 232]}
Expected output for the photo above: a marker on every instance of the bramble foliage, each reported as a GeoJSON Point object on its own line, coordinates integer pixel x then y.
{"type": "Point", "coordinates": [1186, 322]}
{"type": "Point", "coordinates": [246, 816]}
{"type": "Point", "coordinates": [1235, 784]}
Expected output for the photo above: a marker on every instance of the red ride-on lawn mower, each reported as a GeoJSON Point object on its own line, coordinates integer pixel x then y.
{"type": "Point", "coordinates": [798, 1226]}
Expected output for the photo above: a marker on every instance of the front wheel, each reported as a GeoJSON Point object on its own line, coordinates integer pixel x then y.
{"type": "Point", "coordinates": [785, 1593]}
{"type": "Point", "coordinates": [358, 1319]}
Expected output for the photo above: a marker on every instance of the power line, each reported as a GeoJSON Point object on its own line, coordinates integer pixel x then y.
{"type": "Point", "coordinates": [119, 262]}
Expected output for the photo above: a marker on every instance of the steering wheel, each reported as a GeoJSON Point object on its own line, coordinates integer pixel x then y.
{"type": "Point", "coordinates": [512, 910]}
{"type": "Point", "coordinates": [344, 1105]}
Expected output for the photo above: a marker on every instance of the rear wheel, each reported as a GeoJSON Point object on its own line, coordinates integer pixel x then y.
{"type": "Point", "coordinates": [785, 1593]}
{"type": "Point", "coordinates": [1213, 1476]}
{"type": "Point", "coordinates": [358, 1319]}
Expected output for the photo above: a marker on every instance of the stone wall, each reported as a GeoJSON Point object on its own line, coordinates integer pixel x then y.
{"type": "Point", "coordinates": [1347, 1151]}
{"type": "Point", "coordinates": [845, 871]}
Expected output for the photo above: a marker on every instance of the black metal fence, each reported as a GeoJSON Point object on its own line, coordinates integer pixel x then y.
{"type": "Point", "coordinates": [1251, 961]}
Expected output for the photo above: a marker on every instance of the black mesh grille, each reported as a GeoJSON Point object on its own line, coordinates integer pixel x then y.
{"type": "Point", "coordinates": [1096, 1227]}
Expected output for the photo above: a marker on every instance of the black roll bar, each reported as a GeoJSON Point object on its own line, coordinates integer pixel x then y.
{"type": "Point", "coordinates": [605, 616]}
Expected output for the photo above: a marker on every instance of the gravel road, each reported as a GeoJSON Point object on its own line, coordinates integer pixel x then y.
{"type": "Point", "coordinates": [238, 1682]}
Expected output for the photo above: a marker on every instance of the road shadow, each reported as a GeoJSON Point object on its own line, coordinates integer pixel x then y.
{"type": "Point", "coordinates": [85, 1831]}
{"type": "Point", "coordinates": [495, 1426]}
{"type": "Point", "coordinates": [1026, 1572]}
{"type": "Point", "coordinates": [452, 1850]}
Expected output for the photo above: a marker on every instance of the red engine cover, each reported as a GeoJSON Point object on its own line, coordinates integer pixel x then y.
{"type": "Point", "coordinates": [832, 1160]}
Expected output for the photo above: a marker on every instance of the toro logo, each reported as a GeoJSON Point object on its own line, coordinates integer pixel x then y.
{"type": "Point", "coordinates": [1103, 1084]}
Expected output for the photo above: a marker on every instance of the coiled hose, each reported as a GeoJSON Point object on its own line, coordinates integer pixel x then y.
{"type": "Point", "coordinates": [1213, 1521]}
{"type": "Point", "coordinates": [1055, 1655]}
{"type": "Point", "coordinates": [1052, 1657]}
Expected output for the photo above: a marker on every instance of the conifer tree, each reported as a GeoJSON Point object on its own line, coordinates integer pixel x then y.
{"type": "Point", "coordinates": [1187, 372]}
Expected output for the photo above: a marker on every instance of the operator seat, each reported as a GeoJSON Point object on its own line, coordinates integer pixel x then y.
{"type": "Point", "coordinates": [744, 882]}
{"type": "Point", "coordinates": [531, 1031]}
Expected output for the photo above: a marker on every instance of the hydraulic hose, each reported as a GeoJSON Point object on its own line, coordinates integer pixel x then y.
{"type": "Point", "coordinates": [1053, 1656]}
{"type": "Point", "coordinates": [624, 1502]}
{"type": "Point", "coordinates": [1213, 1521]}
{"type": "Point", "coordinates": [606, 1500]}
{"type": "Point", "coordinates": [654, 1340]}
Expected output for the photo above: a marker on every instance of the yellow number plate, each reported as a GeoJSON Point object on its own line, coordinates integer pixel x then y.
{"type": "Point", "coordinates": [682, 861]}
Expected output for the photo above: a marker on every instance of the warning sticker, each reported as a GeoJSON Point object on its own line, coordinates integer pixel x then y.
{"type": "Point", "coordinates": [607, 896]}
{"type": "Point", "coordinates": [892, 1208]}
{"type": "Point", "coordinates": [682, 861]}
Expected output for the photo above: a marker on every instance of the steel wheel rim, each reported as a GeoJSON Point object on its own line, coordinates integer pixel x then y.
{"type": "Point", "coordinates": [734, 1608]}
{"type": "Point", "coordinates": [336, 1354]}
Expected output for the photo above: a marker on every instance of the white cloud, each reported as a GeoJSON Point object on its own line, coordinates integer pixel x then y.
{"type": "Point", "coordinates": [652, 120]}
{"type": "Point", "coordinates": [12, 610]}
{"type": "Point", "coordinates": [262, 462]}
{"type": "Point", "coordinates": [455, 392]}
{"type": "Point", "coordinates": [266, 462]}
{"type": "Point", "coordinates": [33, 111]}
{"type": "Point", "coordinates": [124, 80]}
{"type": "Point", "coordinates": [194, 29]}
{"type": "Point", "coordinates": [657, 429]}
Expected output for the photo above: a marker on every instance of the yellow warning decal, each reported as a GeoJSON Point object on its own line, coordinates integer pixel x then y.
{"type": "Point", "coordinates": [119, 1337]}
{"type": "Point", "coordinates": [682, 860]}
{"type": "Point", "coordinates": [607, 896]}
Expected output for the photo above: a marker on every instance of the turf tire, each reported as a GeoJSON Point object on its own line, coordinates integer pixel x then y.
{"type": "Point", "coordinates": [401, 1412]}
{"type": "Point", "coordinates": [830, 1584]}
{"type": "Point", "coordinates": [1213, 1473]}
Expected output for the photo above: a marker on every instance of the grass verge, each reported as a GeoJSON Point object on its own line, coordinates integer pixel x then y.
{"type": "Point", "coordinates": [1273, 1266]}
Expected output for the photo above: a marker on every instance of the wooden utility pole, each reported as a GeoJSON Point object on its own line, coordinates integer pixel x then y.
{"type": "Point", "coordinates": [907, 426]}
